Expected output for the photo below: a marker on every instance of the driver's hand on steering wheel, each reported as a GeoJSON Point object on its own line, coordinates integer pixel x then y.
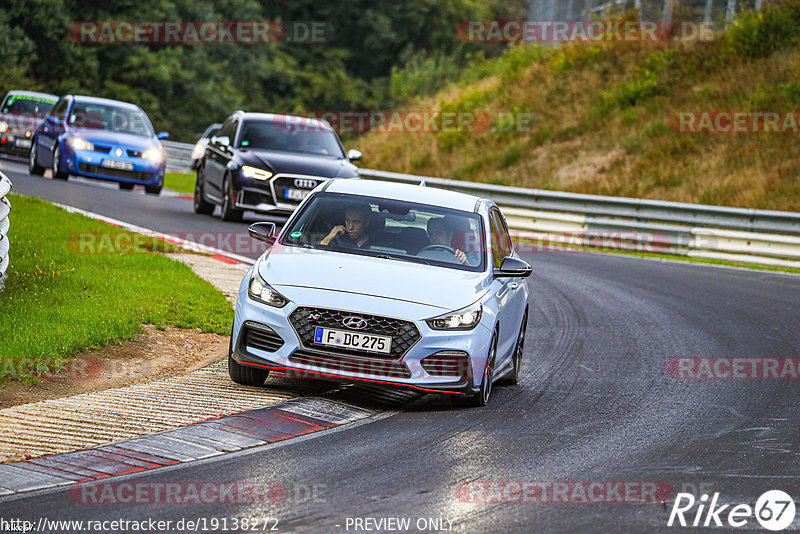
{"type": "Point", "coordinates": [460, 256]}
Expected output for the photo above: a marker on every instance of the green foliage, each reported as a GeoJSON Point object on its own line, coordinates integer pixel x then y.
{"type": "Point", "coordinates": [759, 34]}
{"type": "Point", "coordinates": [379, 54]}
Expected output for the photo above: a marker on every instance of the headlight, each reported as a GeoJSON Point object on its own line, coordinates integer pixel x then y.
{"type": "Point", "coordinates": [80, 144]}
{"type": "Point", "coordinates": [198, 151]}
{"type": "Point", "coordinates": [463, 319]}
{"type": "Point", "coordinates": [262, 292]}
{"type": "Point", "coordinates": [258, 174]}
{"type": "Point", "coordinates": [154, 154]}
{"type": "Point", "coordinates": [3, 126]}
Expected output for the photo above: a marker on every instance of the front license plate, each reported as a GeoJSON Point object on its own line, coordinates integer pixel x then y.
{"type": "Point", "coordinates": [23, 143]}
{"type": "Point", "coordinates": [115, 164]}
{"type": "Point", "coordinates": [295, 194]}
{"type": "Point", "coordinates": [353, 340]}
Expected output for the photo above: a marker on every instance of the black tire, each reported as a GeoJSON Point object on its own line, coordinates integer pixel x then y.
{"type": "Point", "coordinates": [125, 186]}
{"type": "Point", "coordinates": [201, 205]}
{"type": "Point", "coordinates": [229, 213]}
{"type": "Point", "coordinates": [57, 174]}
{"type": "Point", "coordinates": [482, 397]}
{"type": "Point", "coordinates": [512, 378]}
{"type": "Point", "coordinates": [153, 189]}
{"type": "Point", "coordinates": [33, 166]}
{"type": "Point", "coordinates": [246, 375]}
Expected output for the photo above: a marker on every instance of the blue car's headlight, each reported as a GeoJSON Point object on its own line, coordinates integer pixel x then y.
{"type": "Point", "coordinates": [261, 291]}
{"type": "Point", "coordinates": [154, 154]}
{"type": "Point", "coordinates": [80, 144]}
{"type": "Point", "coordinates": [463, 319]}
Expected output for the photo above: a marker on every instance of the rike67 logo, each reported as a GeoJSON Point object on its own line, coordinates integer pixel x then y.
{"type": "Point", "coordinates": [774, 510]}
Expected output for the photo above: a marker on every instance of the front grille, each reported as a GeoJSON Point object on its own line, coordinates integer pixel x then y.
{"type": "Point", "coordinates": [359, 366]}
{"type": "Point", "coordinates": [282, 183]}
{"type": "Point", "coordinates": [404, 333]}
{"type": "Point", "coordinates": [261, 337]}
{"type": "Point", "coordinates": [134, 154]}
{"type": "Point", "coordinates": [252, 198]}
{"type": "Point", "coordinates": [103, 149]}
{"type": "Point", "coordinates": [447, 363]}
{"type": "Point", "coordinates": [115, 173]}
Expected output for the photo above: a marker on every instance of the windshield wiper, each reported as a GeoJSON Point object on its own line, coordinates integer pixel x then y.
{"type": "Point", "coordinates": [400, 258]}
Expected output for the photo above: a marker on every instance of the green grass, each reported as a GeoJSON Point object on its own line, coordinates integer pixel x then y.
{"type": "Point", "coordinates": [62, 297]}
{"type": "Point", "coordinates": [180, 181]}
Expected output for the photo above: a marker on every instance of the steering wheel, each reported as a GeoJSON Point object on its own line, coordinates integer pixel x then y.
{"type": "Point", "coordinates": [438, 247]}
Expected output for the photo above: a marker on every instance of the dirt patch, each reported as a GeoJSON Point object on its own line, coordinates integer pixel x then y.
{"type": "Point", "coordinates": [152, 355]}
{"type": "Point", "coordinates": [588, 168]}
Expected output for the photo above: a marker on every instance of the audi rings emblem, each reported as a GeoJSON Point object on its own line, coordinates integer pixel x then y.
{"type": "Point", "coordinates": [305, 183]}
{"type": "Point", "coordinates": [354, 323]}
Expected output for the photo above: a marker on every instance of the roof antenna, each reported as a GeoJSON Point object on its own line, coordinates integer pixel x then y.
{"type": "Point", "coordinates": [423, 184]}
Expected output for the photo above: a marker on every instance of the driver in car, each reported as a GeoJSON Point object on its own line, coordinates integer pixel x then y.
{"type": "Point", "coordinates": [440, 234]}
{"type": "Point", "coordinates": [354, 233]}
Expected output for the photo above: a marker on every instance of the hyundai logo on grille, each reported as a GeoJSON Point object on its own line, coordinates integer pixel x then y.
{"type": "Point", "coordinates": [305, 183]}
{"type": "Point", "coordinates": [354, 323]}
{"type": "Point", "coordinates": [118, 152]}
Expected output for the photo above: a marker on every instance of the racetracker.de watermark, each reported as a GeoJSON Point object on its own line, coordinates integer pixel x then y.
{"type": "Point", "coordinates": [561, 31]}
{"type": "Point", "coordinates": [404, 121]}
{"type": "Point", "coordinates": [209, 493]}
{"type": "Point", "coordinates": [116, 241]}
{"type": "Point", "coordinates": [573, 492]}
{"type": "Point", "coordinates": [701, 368]}
{"type": "Point", "coordinates": [107, 32]}
{"type": "Point", "coordinates": [735, 122]}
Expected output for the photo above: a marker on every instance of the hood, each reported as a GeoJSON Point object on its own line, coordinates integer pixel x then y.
{"type": "Point", "coordinates": [299, 163]}
{"type": "Point", "coordinates": [109, 138]}
{"type": "Point", "coordinates": [287, 268]}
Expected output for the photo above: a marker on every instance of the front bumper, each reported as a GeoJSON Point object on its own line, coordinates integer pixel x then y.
{"type": "Point", "coordinates": [282, 192]}
{"type": "Point", "coordinates": [89, 163]}
{"type": "Point", "coordinates": [297, 360]}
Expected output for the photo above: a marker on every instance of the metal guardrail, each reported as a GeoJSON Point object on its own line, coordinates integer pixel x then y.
{"type": "Point", "coordinates": [5, 208]}
{"type": "Point", "coordinates": [179, 156]}
{"type": "Point", "coordinates": [543, 219]}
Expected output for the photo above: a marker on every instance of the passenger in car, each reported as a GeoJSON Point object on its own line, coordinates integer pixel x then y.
{"type": "Point", "coordinates": [354, 233]}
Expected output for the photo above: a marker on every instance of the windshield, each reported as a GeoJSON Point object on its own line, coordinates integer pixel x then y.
{"type": "Point", "coordinates": [282, 136]}
{"type": "Point", "coordinates": [391, 229]}
{"type": "Point", "coordinates": [28, 104]}
{"type": "Point", "coordinates": [110, 117]}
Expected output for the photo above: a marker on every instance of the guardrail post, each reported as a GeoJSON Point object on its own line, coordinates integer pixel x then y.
{"type": "Point", "coordinates": [5, 208]}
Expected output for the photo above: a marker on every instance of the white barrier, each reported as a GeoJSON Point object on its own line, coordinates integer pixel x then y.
{"type": "Point", "coordinates": [5, 209]}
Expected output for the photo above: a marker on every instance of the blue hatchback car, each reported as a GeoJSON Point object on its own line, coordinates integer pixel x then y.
{"type": "Point", "coordinates": [99, 138]}
{"type": "Point", "coordinates": [394, 284]}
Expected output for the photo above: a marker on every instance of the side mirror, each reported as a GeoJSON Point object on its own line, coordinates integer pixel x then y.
{"type": "Point", "coordinates": [354, 155]}
{"type": "Point", "coordinates": [513, 268]}
{"type": "Point", "coordinates": [263, 231]}
{"type": "Point", "coordinates": [221, 141]}
{"type": "Point", "coordinates": [162, 135]}
{"type": "Point", "coordinates": [52, 119]}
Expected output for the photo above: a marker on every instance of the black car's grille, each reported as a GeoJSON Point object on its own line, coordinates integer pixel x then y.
{"type": "Point", "coordinates": [360, 366]}
{"type": "Point", "coordinates": [282, 183]}
{"type": "Point", "coordinates": [261, 337]}
{"type": "Point", "coordinates": [447, 363]}
{"type": "Point", "coordinates": [116, 173]}
{"type": "Point", "coordinates": [404, 333]}
{"type": "Point", "coordinates": [253, 198]}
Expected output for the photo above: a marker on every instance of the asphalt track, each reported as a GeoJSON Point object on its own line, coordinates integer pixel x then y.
{"type": "Point", "coordinates": [595, 403]}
